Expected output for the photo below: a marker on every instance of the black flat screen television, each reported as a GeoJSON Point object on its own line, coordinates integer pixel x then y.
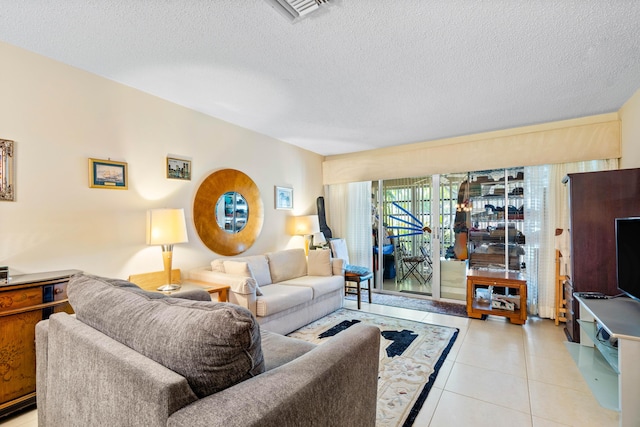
{"type": "Point", "coordinates": [628, 256]}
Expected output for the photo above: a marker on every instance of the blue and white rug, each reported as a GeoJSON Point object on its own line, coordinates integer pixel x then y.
{"type": "Point", "coordinates": [411, 355]}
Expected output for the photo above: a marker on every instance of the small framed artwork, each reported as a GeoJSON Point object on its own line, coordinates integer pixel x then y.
{"type": "Point", "coordinates": [284, 198]}
{"type": "Point", "coordinates": [108, 174]}
{"type": "Point", "coordinates": [6, 171]}
{"type": "Point", "coordinates": [178, 168]}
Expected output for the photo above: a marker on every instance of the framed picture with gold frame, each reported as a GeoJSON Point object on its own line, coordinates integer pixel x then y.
{"type": "Point", "coordinates": [178, 168]}
{"type": "Point", "coordinates": [6, 171]}
{"type": "Point", "coordinates": [108, 174]}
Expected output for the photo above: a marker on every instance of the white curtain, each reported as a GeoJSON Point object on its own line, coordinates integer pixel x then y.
{"type": "Point", "coordinates": [348, 208]}
{"type": "Point", "coordinates": [547, 209]}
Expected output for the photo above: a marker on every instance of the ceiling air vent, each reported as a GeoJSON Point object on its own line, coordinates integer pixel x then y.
{"type": "Point", "coordinates": [297, 8]}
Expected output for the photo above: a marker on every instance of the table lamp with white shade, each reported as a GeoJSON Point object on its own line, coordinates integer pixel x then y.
{"type": "Point", "coordinates": [305, 225]}
{"type": "Point", "coordinates": [166, 227]}
{"type": "Point", "coordinates": [319, 241]}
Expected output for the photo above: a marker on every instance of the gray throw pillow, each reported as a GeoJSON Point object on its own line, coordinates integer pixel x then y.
{"type": "Point", "coordinates": [213, 345]}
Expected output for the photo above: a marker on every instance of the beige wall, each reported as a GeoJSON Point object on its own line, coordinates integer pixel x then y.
{"type": "Point", "coordinates": [630, 117]}
{"type": "Point", "coordinates": [60, 116]}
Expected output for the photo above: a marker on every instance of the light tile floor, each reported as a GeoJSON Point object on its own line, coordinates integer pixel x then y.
{"type": "Point", "coordinates": [497, 374]}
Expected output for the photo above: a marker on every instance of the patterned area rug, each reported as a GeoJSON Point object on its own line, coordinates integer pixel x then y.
{"type": "Point", "coordinates": [431, 306]}
{"type": "Point", "coordinates": [411, 355]}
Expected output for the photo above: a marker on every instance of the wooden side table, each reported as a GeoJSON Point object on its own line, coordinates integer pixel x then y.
{"type": "Point", "coordinates": [514, 284]}
{"type": "Point", "coordinates": [151, 282]}
{"type": "Point", "coordinates": [212, 288]}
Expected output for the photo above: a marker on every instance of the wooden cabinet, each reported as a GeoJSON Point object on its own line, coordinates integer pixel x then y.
{"type": "Point", "coordinates": [24, 301]}
{"type": "Point", "coordinates": [596, 199]}
{"type": "Point", "coordinates": [485, 288]}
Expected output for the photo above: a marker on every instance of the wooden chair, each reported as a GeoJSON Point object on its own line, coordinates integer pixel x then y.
{"type": "Point", "coordinates": [561, 300]}
{"type": "Point", "coordinates": [353, 274]}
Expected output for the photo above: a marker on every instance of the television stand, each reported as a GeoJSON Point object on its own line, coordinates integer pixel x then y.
{"type": "Point", "coordinates": [616, 388]}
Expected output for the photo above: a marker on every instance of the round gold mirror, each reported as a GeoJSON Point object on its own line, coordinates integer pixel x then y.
{"type": "Point", "coordinates": [228, 212]}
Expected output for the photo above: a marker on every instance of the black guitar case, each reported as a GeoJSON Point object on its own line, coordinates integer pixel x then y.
{"type": "Point", "coordinates": [322, 218]}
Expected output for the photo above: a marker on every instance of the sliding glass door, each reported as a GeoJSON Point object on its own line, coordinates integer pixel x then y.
{"type": "Point", "coordinates": [405, 208]}
{"type": "Point", "coordinates": [432, 228]}
{"type": "Point", "coordinates": [424, 233]}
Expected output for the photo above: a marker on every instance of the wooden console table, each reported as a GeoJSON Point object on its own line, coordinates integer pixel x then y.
{"type": "Point", "coordinates": [24, 301]}
{"type": "Point", "coordinates": [512, 285]}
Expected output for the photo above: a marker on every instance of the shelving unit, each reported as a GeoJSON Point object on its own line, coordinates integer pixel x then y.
{"type": "Point", "coordinates": [507, 285]}
{"type": "Point", "coordinates": [497, 219]}
{"type": "Point", "coordinates": [611, 373]}
{"type": "Point", "coordinates": [233, 212]}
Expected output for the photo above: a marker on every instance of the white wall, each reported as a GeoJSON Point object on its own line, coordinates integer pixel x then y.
{"type": "Point", "coordinates": [630, 131]}
{"type": "Point", "coordinates": [60, 116]}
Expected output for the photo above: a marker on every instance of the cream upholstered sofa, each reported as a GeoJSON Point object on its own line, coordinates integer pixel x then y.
{"type": "Point", "coordinates": [285, 289]}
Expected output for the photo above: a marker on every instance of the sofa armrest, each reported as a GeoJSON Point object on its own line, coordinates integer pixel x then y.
{"type": "Point", "coordinates": [91, 378]}
{"type": "Point", "coordinates": [333, 384]}
{"type": "Point", "coordinates": [242, 290]}
{"type": "Point", "coordinates": [192, 294]}
{"type": "Point", "coordinates": [238, 284]}
{"type": "Point", "coordinates": [42, 345]}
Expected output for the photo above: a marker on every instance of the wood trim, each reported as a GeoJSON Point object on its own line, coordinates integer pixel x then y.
{"type": "Point", "coordinates": [33, 308]}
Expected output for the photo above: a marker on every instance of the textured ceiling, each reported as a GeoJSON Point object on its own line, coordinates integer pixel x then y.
{"type": "Point", "coordinates": [356, 74]}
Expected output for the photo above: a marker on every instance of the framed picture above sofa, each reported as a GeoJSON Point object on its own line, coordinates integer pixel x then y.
{"type": "Point", "coordinates": [178, 168]}
{"type": "Point", "coordinates": [108, 174]}
{"type": "Point", "coordinates": [283, 197]}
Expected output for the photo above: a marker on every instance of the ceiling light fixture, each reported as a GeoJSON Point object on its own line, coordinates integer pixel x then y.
{"type": "Point", "coordinates": [294, 9]}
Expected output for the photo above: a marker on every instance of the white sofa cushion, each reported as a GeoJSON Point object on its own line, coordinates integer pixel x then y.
{"type": "Point", "coordinates": [240, 268]}
{"type": "Point", "coordinates": [319, 263]}
{"type": "Point", "coordinates": [276, 298]}
{"type": "Point", "coordinates": [320, 285]}
{"type": "Point", "coordinates": [287, 264]}
{"type": "Point", "coordinates": [258, 264]}
{"type": "Point", "coordinates": [217, 265]}
{"type": "Point", "coordinates": [260, 269]}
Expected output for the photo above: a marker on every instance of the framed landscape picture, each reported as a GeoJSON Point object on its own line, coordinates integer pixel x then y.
{"type": "Point", "coordinates": [178, 168]}
{"type": "Point", "coordinates": [284, 198]}
{"type": "Point", "coordinates": [108, 174]}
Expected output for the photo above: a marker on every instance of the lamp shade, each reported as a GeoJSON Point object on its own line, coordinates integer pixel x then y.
{"type": "Point", "coordinates": [306, 225]}
{"type": "Point", "coordinates": [166, 227]}
{"type": "Point", "coordinates": [319, 239]}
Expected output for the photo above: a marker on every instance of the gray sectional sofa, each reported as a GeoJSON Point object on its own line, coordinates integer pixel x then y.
{"type": "Point", "coordinates": [285, 289]}
{"type": "Point", "coordinates": [134, 358]}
